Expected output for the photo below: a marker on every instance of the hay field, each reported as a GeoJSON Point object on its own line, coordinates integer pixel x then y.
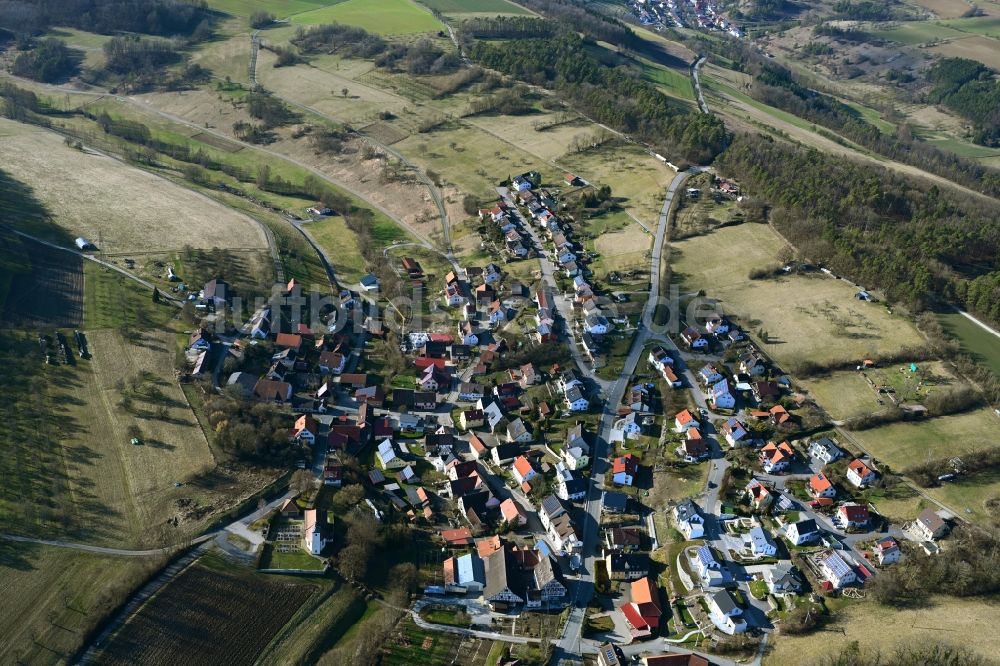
{"type": "Point", "coordinates": [977, 47]}
{"type": "Point", "coordinates": [904, 444]}
{"type": "Point", "coordinates": [807, 318]}
{"type": "Point", "coordinates": [53, 598]}
{"type": "Point", "coordinates": [631, 173]}
{"type": "Point", "coordinates": [846, 394]}
{"type": "Point", "coordinates": [965, 622]}
{"type": "Point", "coordinates": [383, 17]}
{"type": "Point", "coordinates": [135, 484]}
{"type": "Point", "coordinates": [548, 145]}
{"type": "Point", "coordinates": [474, 7]}
{"type": "Point", "coordinates": [945, 8]}
{"type": "Point", "coordinates": [128, 209]}
{"type": "Point", "coordinates": [279, 8]}
{"type": "Point", "coordinates": [625, 249]}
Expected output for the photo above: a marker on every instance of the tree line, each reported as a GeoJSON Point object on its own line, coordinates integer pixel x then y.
{"type": "Point", "coordinates": [49, 61]}
{"type": "Point", "coordinates": [165, 18]}
{"type": "Point", "coordinates": [618, 96]}
{"type": "Point", "coordinates": [922, 245]}
{"type": "Point", "coordinates": [420, 57]}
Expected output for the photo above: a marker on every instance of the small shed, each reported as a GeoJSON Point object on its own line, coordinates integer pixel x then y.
{"type": "Point", "coordinates": [84, 244]}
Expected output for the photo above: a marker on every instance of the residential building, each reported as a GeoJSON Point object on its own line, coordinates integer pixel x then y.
{"type": "Point", "coordinates": [860, 474]}
{"type": "Point", "coordinates": [709, 375]}
{"type": "Point", "coordinates": [689, 520]}
{"type": "Point", "coordinates": [887, 551]}
{"type": "Point", "coordinates": [517, 431]}
{"type": "Point", "coordinates": [930, 525]}
{"type": "Point", "coordinates": [693, 338]}
{"type": "Point", "coordinates": [759, 543]}
{"type": "Point", "coordinates": [853, 515]}
{"type": "Point", "coordinates": [835, 570]}
{"type": "Point", "coordinates": [505, 453]}
{"type": "Point", "coordinates": [821, 486]}
{"type": "Point", "coordinates": [776, 457]}
{"type": "Point", "coordinates": [628, 427]}
{"type": "Point", "coordinates": [725, 613]}
{"type": "Point", "coordinates": [522, 470]}
{"type": "Point", "coordinates": [470, 391]}
{"type": "Point", "coordinates": [610, 654]}
{"type": "Point", "coordinates": [782, 578]}
{"type": "Point", "coordinates": [387, 456]}
{"type": "Point", "coordinates": [626, 566]}
{"type": "Point", "coordinates": [624, 470]}
{"type": "Point", "coordinates": [720, 397]}
{"type": "Point", "coordinates": [471, 418]}
{"type": "Point", "coordinates": [622, 539]}
{"type": "Point", "coordinates": [685, 420]}
{"type": "Point", "coordinates": [759, 495]}
{"type": "Point", "coordinates": [825, 450]}
{"type": "Point", "coordinates": [464, 573]}
{"type": "Point", "coordinates": [644, 611]}
{"type": "Point", "coordinates": [575, 401]}
{"type": "Point", "coordinates": [570, 485]}
{"type": "Point", "coordinates": [734, 431]}
{"type": "Point", "coordinates": [512, 513]}
{"type": "Point", "coordinates": [802, 531]}
{"type": "Point", "coordinates": [614, 502]}
{"type": "Point", "coordinates": [709, 569]}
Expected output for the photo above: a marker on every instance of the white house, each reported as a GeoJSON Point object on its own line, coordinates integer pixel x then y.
{"type": "Point", "coordinates": [834, 569]}
{"type": "Point", "coordinates": [387, 456]}
{"type": "Point", "coordinates": [726, 613]}
{"type": "Point", "coordinates": [659, 358]}
{"type": "Point", "coordinates": [596, 324]}
{"type": "Point", "coordinates": [887, 551]}
{"type": "Point", "coordinates": [720, 396]}
{"type": "Point", "coordinates": [575, 401]}
{"type": "Point", "coordinates": [689, 520]}
{"type": "Point", "coordinates": [760, 544]}
{"type": "Point", "coordinates": [860, 474]}
{"type": "Point", "coordinates": [782, 578]}
{"type": "Point", "coordinates": [802, 531]}
{"type": "Point", "coordinates": [708, 568]}
{"type": "Point", "coordinates": [470, 391]}
{"type": "Point", "coordinates": [572, 486]}
{"type": "Point", "coordinates": [825, 451]}
{"type": "Point", "coordinates": [575, 457]}
{"type": "Point", "coordinates": [709, 375]}
{"type": "Point", "coordinates": [517, 431]}
{"type": "Point", "coordinates": [684, 421]}
{"type": "Point", "coordinates": [628, 427]}
{"type": "Point", "coordinates": [520, 184]}
{"type": "Point", "coordinates": [734, 431]}
{"type": "Point", "coordinates": [522, 470]}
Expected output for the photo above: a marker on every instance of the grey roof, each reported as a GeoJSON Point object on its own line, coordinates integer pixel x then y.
{"type": "Point", "coordinates": [501, 574]}
{"type": "Point", "coordinates": [573, 393]}
{"type": "Point", "coordinates": [552, 506]}
{"type": "Point", "coordinates": [616, 501]}
{"type": "Point", "coordinates": [806, 526]}
{"type": "Point", "coordinates": [576, 485]}
{"type": "Point", "coordinates": [724, 601]}
{"type": "Point", "coordinates": [686, 509]}
{"type": "Point", "coordinates": [546, 571]}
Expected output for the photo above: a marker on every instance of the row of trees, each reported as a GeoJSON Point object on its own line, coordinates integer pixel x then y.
{"type": "Point", "coordinates": [420, 57]}
{"type": "Point", "coordinates": [918, 243]}
{"type": "Point", "coordinates": [618, 96]}
{"type": "Point", "coordinates": [974, 463]}
{"type": "Point", "coordinates": [255, 432]}
{"type": "Point", "coordinates": [165, 18]}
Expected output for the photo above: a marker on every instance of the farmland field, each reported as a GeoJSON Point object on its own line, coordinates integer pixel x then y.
{"type": "Point", "coordinates": [383, 17]}
{"type": "Point", "coordinates": [964, 622]}
{"type": "Point", "coordinates": [410, 644]}
{"type": "Point", "coordinates": [184, 622]}
{"type": "Point", "coordinates": [53, 597]}
{"type": "Point", "coordinates": [977, 47]}
{"type": "Point", "coordinates": [341, 246]}
{"type": "Point", "coordinates": [491, 7]}
{"type": "Point", "coordinates": [918, 32]}
{"type": "Point", "coordinates": [279, 8]}
{"type": "Point", "coordinates": [624, 250]}
{"type": "Point", "coordinates": [846, 394]}
{"type": "Point", "coordinates": [126, 209]}
{"type": "Point", "coordinates": [807, 318]}
{"type": "Point", "coordinates": [904, 444]}
{"type": "Point", "coordinates": [981, 25]}
{"type": "Point", "coordinates": [980, 344]}
{"type": "Point", "coordinates": [945, 8]}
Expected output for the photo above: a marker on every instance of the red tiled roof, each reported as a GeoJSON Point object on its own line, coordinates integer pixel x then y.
{"type": "Point", "coordinates": [288, 340]}
{"type": "Point", "coordinates": [460, 537]}
{"type": "Point", "coordinates": [684, 417]}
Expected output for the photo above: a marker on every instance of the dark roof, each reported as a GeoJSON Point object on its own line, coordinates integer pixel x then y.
{"type": "Point", "coordinates": [616, 501]}
{"type": "Point", "coordinates": [806, 526]}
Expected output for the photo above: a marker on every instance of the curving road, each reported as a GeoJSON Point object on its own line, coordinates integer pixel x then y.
{"type": "Point", "coordinates": [702, 104]}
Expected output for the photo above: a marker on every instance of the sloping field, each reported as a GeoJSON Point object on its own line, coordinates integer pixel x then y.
{"type": "Point", "coordinates": [279, 8]}
{"type": "Point", "coordinates": [53, 597]}
{"type": "Point", "coordinates": [487, 7]}
{"type": "Point", "coordinates": [977, 47]}
{"type": "Point", "coordinates": [383, 17]}
{"type": "Point", "coordinates": [126, 209]}
{"type": "Point", "coordinates": [964, 622]}
{"type": "Point", "coordinates": [45, 290]}
{"type": "Point", "coordinates": [806, 318]}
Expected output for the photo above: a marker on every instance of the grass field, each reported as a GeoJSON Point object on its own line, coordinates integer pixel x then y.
{"type": "Point", "coordinates": [977, 47]}
{"type": "Point", "coordinates": [341, 246]}
{"type": "Point", "coordinates": [279, 8]}
{"type": "Point", "coordinates": [123, 208]}
{"type": "Point", "coordinates": [807, 318]}
{"type": "Point", "coordinates": [492, 7]}
{"type": "Point", "coordinates": [113, 301]}
{"type": "Point", "coordinates": [846, 394]}
{"type": "Point", "coordinates": [904, 444]}
{"type": "Point", "coordinates": [945, 8]}
{"type": "Point", "coordinates": [670, 81]}
{"type": "Point", "coordinates": [90, 43]}
{"type": "Point", "coordinates": [918, 32]}
{"type": "Point", "coordinates": [981, 344]}
{"type": "Point", "coordinates": [410, 644]}
{"type": "Point", "coordinates": [988, 26]}
{"type": "Point", "coordinates": [964, 622]}
{"type": "Point", "coordinates": [623, 250]}
{"type": "Point", "coordinates": [53, 597]}
{"type": "Point", "coordinates": [383, 17]}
